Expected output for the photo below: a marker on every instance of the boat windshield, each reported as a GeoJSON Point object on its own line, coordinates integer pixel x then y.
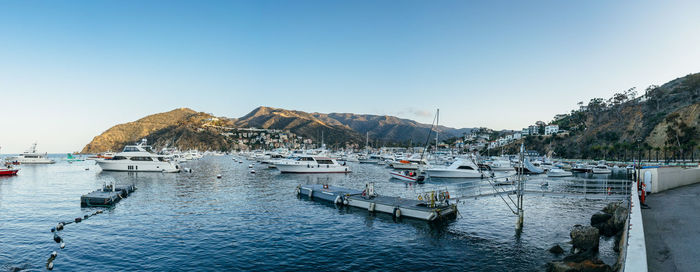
{"type": "Point", "coordinates": [131, 149]}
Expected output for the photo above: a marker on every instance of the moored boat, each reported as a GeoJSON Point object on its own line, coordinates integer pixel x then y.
{"type": "Point", "coordinates": [557, 172]}
{"type": "Point", "coordinates": [308, 164]}
{"type": "Point", "coordinates": [137, 158]}
{"type": "Point", "coordinates": [407, 175]}
{"type": "Point", "coordinates": [458, 169]}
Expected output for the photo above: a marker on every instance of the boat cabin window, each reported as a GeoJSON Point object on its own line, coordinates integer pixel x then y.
{"type": "Point", "coordinates": [465, 167]}
{"type": "Point", "coordinates": [116, 158]}
{"type": "Point", "coordinates": [306, 159]}
{"type": "Point", "coordinates": [324, 161]}
{"type": "Point", "coordinates": [131, 149]}
{"type": "Point", "coordinates": [31, 157]}
{"type": "Point", "coordinates": [141, 159]}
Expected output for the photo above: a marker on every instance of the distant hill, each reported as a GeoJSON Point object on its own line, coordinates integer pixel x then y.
{"type": "Point", "coordinates": [664, 119]}
{"type": "Point", "coordinates": [185, 129]}
{"type": "Point", "coordinates": [116, 137]}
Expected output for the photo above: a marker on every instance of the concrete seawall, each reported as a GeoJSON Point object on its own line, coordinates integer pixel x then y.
{"type": "Point", "coordinates": [664, 178]}
{"type": "Point", "coordinates": [634, 245]}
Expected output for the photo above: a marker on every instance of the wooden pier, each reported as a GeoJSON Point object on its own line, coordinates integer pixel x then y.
{"type": "Point", "coordinates": [428, 210]}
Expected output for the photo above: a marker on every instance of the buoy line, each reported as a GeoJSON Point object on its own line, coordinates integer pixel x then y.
{"type": "Point", "coordinates": [59, 239]}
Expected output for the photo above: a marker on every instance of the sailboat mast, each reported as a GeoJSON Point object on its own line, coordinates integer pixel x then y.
{"type": "Point", "coordinates": [437, 130]}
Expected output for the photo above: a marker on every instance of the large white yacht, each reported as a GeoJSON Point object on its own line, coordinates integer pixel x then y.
{"type": "Point", "coordinates": [137, 158]}
{"type": "Point", "coordinates": [311, 164]}
{"type": "Point", "coordinates": [458, 169]}
{"type": "Point", "coordinates": [31, 156]}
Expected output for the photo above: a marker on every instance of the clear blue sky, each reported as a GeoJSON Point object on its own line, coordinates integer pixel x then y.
{"type": "Point", "coordinates": [71, 69]}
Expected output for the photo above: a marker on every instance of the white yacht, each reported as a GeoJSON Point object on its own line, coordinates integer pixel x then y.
{"type": "Point", "coordinates": [558, 172]}
{"type": "Point", "coordinates": [31, 156]}
{"type": "Point", "coordinates": [409, 164]}
{"type": "Point", "coordinates": [458, 169]}
{"type": "Point", "coordinates": [501, 165]}
{"type": "Point", "coordinates": [137, 158]}
{"type": "Point", "coordinates": [601, 169]}
{"type": "Point", "coordinates": [311, 164]}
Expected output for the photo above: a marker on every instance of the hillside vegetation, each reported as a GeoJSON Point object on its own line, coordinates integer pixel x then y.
{"type": "Point", "coordinates": [662, 121]}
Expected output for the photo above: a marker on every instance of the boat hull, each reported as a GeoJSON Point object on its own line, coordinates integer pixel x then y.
{"type": "Point", "coordinates": [311, 169]}
{"type": "Point", "coordinates": [130, 166]}
{"type": "Point", "coordinates": [403, 177]}
{"type": "Point", "coordinates": [450, 173]}
{"type": "Point", "coordinates": [8, 172]}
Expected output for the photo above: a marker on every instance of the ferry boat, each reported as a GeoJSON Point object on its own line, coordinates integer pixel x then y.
{"type": "Point", "coordinates": [458, 169]}
{"type": "Point", "coordinates": [137, 158]}
{"type": "Point", "coordinates": [311, 164]}
{"type": "Point", "coordinates": [31, 156]}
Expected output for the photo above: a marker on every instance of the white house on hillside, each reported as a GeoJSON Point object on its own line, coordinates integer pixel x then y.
{"type": "Point", "coordinates": [551, 129]}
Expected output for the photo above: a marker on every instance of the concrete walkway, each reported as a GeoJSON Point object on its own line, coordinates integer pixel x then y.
{"type": "Point", "coordinates": [672, 229]}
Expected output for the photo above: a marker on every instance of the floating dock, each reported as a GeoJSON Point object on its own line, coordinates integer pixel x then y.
{"type": "Point", "coordinates": [107, 196]}
{"type": "Point", "coordinates": [396, 206]}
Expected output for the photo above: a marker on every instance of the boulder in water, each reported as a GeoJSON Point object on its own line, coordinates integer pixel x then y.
{"type": "Point", "coordinates": [585, 237]}
{"type": "Point", "coordinates": [556, 249]}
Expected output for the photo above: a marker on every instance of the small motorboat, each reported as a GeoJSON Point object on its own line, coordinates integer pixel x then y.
{"type": "Point", "coordinates": [407, 175]}
{"type": "Point", "coordinates": [8, 171]}
{"type": "Point", "coordinates": [557, 172]}
{"type": "Point", "coordinates": [601, 169]}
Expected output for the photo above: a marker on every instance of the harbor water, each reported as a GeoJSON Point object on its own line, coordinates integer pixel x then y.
{"type": "Point", "coordinates": [253, 222]}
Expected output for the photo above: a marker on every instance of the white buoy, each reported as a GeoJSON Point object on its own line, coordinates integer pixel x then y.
{"type": "Point", "coordinates": [54, 254]}
{"type": "Point", "coordinates": [63, 245]}
{"type": "Point", "coordinates": [252, 171]}
{"type": "Point", "coordinates": [397, 213]}
{"type": "Point", "coordinates": [250, 166]}
{"type": "Point", "coordinates": [338, 200]}
{"type": "Point", "coordinates": [50, 266]}
{"type": "Point", "coordinates": [218, 176]}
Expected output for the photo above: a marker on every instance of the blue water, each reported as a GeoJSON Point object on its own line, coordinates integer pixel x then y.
{"type": "Point", "coordinates": [243, 221]}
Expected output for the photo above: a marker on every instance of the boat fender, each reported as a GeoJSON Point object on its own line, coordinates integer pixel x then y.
{"type": "Point", "coordinates": [59, 226]}
{"type": "Point", "coordinates": [371, 207]}
{"type": "Point", "coordinates": [397, 212]}
{"type": "Point", "coordinates": [57, 238]}
{"type": "Point", "coordinates": [63, 245]}
{"type": "Point", "coordinates": [54, 254]}
{"type": "Point", "coordinates": [346, 201]}
{"type": "Point", "coordinates": [432, 216]}
{"type": "Point", "coordinates": [338, 200]}
{"type": "Point", "coordinates": [78, 219]}
{"type": "Point", "coordinates": [49, 266]}
{"type": "Point", "coordinates": [311, 193]}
